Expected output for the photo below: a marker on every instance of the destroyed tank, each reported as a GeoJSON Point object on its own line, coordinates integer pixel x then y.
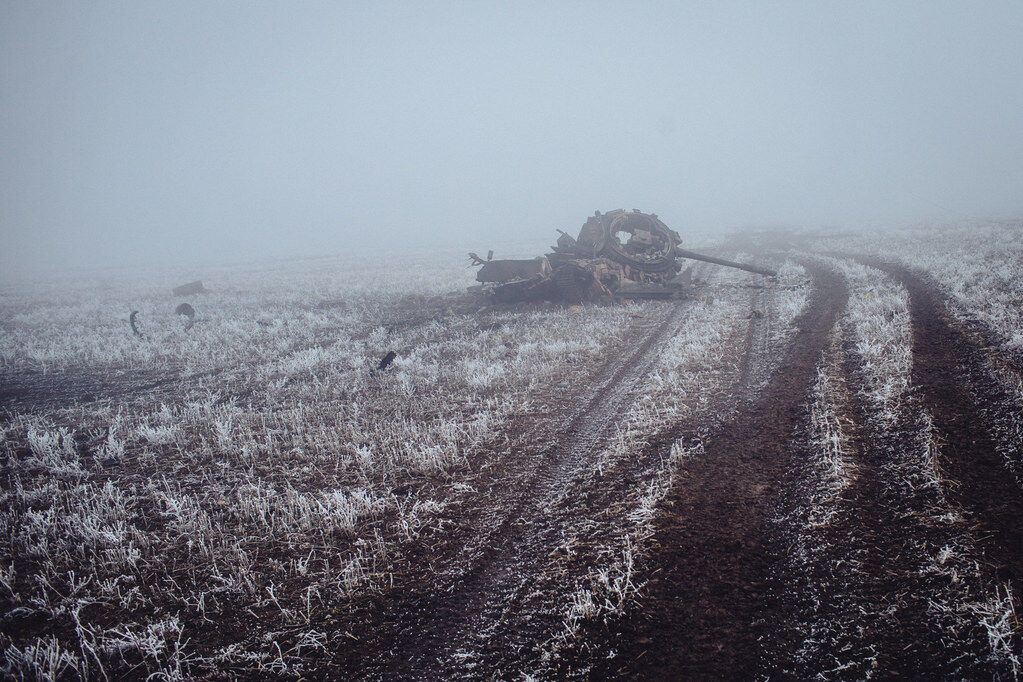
{"type": "Point", "coordinates": [619, 254]}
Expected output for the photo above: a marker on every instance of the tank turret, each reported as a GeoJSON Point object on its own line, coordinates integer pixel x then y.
{"type": "Point", "coordinates": [618, 254]}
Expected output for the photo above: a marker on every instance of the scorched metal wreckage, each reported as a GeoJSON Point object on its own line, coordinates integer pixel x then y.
{"type": "Point", "coordinates": [617, 255]}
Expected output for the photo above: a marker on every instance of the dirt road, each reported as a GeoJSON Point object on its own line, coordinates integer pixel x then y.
{"type": "Point", "coordinates": [709, 604]}
{"type": "Point", "coordinates": [516, 523]}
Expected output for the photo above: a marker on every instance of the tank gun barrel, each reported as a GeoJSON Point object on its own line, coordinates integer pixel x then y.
{"type": "Point", "coordinates": [683, 253]}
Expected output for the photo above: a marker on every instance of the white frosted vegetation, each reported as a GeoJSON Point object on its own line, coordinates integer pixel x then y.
{"type": "Point", "coordinates": [876, 329]}
{"type": "Point", "coordinates": [277, 487]}
{"type": "Point", "coordinates": [249, 314]}
{"type": "Point", "coordinates": [978, 267]}
{"type": "Point", "coordinates": [978, 264]}
{"type": "Point", "coordinates": [878, 318]}
{"type": "Point", "coordinates": [791, 292]}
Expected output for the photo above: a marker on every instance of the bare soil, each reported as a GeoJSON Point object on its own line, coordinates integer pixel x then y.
{"type": "Point", "coordinates": [965, 398]}
{"type": "Point", "coordinates": [433, 627]}
{"type": "Point", "coordinates": [708, 603]}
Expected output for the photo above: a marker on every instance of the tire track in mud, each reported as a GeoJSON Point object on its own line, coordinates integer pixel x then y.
{"type": "Point", "coordinates": [950, 372]}
{"type": "Point", "coordinates": [596, 522]}
{"type": "Point", "coordinates": [707, 605]}
{"type": "Point", "coordinates": [861, 586]}
{"type": "Point", "coordinates": [440, 633]}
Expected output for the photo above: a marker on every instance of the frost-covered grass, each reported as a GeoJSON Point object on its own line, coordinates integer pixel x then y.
{"type": "Point", "coordinates": [879, 326]}
{"type": "Point", "coordinates": [219, 524]}
{"type": "Point", "coordinates": [978, 264]}
{"type": "Point", "coordinates": [820, 481]}
{"type": "Point", "coordinates": [834, 467]}
{"type": "Point", "coordinates": [878, 322]}
{"type": "Point", "coordinates": [250, 314]}
{"type": "Point", "coordinates": [792, 291]}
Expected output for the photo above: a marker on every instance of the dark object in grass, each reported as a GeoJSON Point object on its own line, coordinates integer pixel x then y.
{"type": "Point", "coordinates": [134, 324]}
{"type": "Point", "coordinates": [388, 359]}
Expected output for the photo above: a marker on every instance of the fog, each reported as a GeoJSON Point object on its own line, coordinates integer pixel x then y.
{"type": "Point", "coordinates": [174, 133]}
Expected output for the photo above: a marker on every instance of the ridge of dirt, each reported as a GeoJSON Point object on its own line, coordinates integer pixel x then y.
{"type": "Point", "coordinates": [707, 605]}
{"type": "Point", "coordinates": [950, 374]}
{"type": "Point", "coordinates": [423, 633]}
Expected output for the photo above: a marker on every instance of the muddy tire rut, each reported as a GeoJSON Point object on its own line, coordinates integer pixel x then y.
{"type": "Point", "coordinates": [899, 580]}
{"type": "Point", "coordinates": [593, 524]}
{"type": "Point", "coordinates": [954, 382]}
{"type": "Point", "coordinates": [707, 604]}
{"type": "Point", "coordinates": [442, 629]}
{"type": "Point", "coordinates": [861, 587]}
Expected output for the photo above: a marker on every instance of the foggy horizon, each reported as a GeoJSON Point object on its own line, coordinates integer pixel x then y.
{"type": "Point", "coordinates": [194, 134]}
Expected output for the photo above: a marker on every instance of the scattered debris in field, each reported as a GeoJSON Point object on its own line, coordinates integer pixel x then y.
{"type": "Point", "coordinates": [598, 266]}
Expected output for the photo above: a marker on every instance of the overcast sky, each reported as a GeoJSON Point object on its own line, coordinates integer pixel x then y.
{"type": "Point", "coordinates": [142, 132]}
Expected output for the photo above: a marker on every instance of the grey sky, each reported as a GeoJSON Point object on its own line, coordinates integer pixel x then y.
{"type": "Point", "coordinates": [166, 132]}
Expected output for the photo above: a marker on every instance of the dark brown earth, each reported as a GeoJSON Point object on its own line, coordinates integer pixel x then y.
{"type": "Point", "coordinates": [707, 605]}
{"type": "Point", "coordinates": [480, 604]}
{"type": "Point", "coordinates": [592, 512]}
{"type": "Point", "coordinates": [483, 602]}
{"type": "Point", "coordinates": [719, 587]}
{"type": "Point", "coordinates": [960, 391]}
{"type": "Point", "coordinates": [862, 587]}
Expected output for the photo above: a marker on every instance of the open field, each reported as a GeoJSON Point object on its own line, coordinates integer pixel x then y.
{"type": "Point", "coordinates": [816, 475]}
